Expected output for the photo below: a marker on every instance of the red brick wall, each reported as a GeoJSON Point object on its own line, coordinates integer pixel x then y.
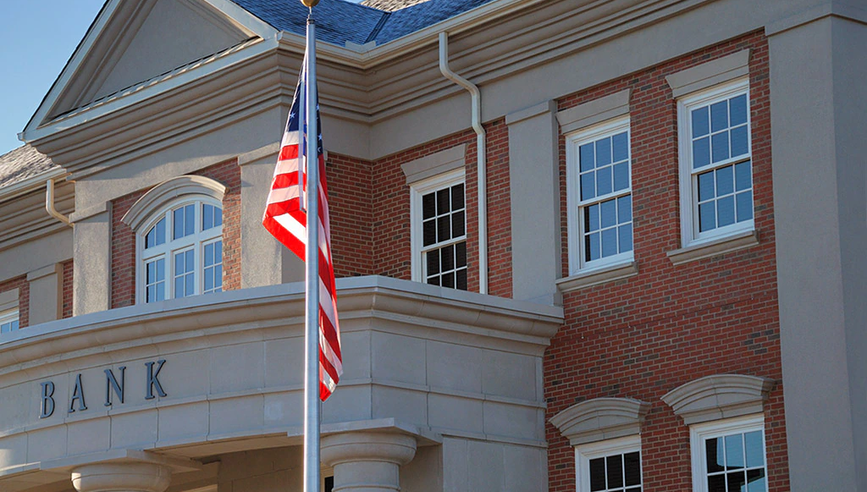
{"type": "Point", "coordinates": [350, 181]}
{"type": "Point", "coordinates": [123, 237]}
{"type": "Point", "coordinates": [646, 335]}
{"type": "Point", "coordinates": [392, 255]}
{"type": "Point", "coordinates": [66, 285]}
{"type": "Point", "coordinates": [23, 287]}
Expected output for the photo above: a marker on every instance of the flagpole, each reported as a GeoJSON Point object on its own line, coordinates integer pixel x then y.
{"type": "Point", "coordinates": [311, 356]}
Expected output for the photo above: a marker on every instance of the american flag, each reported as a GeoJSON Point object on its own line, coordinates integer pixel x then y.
{"type": "Point", "coordinates": [286, 219]}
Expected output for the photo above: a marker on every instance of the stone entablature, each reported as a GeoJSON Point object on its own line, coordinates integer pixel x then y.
{"type": "Point", "coordinates": [429, 362]}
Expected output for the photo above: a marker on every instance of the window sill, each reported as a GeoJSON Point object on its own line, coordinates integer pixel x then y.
{"type": "Point", "coordinates": [714, 247]}
{"type": "Point", "coordinates": [598, 276]}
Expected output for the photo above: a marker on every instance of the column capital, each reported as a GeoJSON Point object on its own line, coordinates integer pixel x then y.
{"type": "Point", "coordinates": [390, 447]}
{"type": "Point", "coordinates": [121, 477]}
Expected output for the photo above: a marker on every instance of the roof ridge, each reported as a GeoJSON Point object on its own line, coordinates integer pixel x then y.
{"type": "Point", "coordinates": [378, 27]}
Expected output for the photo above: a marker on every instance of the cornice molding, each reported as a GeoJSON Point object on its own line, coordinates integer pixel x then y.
{"type": "Point", "coordinates": [601, 418]}
{"type": "Point", "coordinates": [718, 397]}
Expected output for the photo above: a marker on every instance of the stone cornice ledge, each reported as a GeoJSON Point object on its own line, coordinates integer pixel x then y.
{"type": "Point", "coordinates": [719, 397]}
{"type": "Point", "coordinates": [445, 309]}
{"type": "Point", "coordinates": [714, 247]}
{"type": "Point", "coordinates": [598, 276]}
{"type": "Point", "coordinates": [601, 418]}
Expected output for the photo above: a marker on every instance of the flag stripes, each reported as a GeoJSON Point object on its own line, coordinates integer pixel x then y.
{"type": "Point", "coordinates": [286, 220]}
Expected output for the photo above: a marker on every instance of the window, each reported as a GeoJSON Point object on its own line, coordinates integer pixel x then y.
{"type": "Point", "coordinates": [181, 251]}
{"type": "Point", "coordinates": [729, 455]}
{"type": "Point", "coordinates": [716, 162]}
{"type": "Point", "coordinates": [439, 230]}
{"type": "Point", "coordinates": [609, 466]}
{"type": "Point", "coordinates": [600, 195]}
{"type": "Point", "coordinates": [8, 321]}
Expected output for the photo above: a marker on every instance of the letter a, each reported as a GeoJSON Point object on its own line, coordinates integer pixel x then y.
{"type": "Point", "coordinates": [77, 394]}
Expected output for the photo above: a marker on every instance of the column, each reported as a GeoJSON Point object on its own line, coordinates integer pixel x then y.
{"type": "Point", "coordinates": [121, 477]}
{"type": "Point", "coordinates": [535, 200]}
{"type": "Point", "coordinates": [818, 98]}
{"type": "Point", "coordinates": [91, 283]}
{"type": "Point", "coordinates": [367, 461]}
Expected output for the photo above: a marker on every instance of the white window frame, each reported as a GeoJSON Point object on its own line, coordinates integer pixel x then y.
{"type": "Point", "coordinates": [417, 190]}
{"type": "Point", "coordinates": [9, 316]}
{"type": "Point", "coordinates": [575, 206]}
{"type": "Point", "coordinates": [690, 233]}
{"type": "Point", "coordinates": [699, 433]}
{"type": "Point", "coordinates": [586, 452]}
{"type": "Point", "coordinates": [197, 241]}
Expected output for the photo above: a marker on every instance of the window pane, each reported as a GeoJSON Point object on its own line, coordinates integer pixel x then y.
{"type": "Point", "coordinates": [701, 152]}
{"type": "Point", "coordinates": [207, 217]}
{"type": "Point", "coordinates": [433, 281]}
{"type": "Point", "coordinates": [738, 109]}
{"type": "Point", "coordinates": [586, 157]}
{"type": "Point", "coordinates": [625, 232]}
{"type": "Point", "coordinates": [462, 279]}
{"type": "Point", "coordinates": [443, 228]}
{"type": "Point", "coordinates": [745, 206]}
{"type": "Point", "coordinates": [189, 220]}
{"type": "Point", "coordinates": [725, 183]}
{"type": "Point", "coordinates": [632, 468]}
{"type": "Point", "coordinates": [588, 186]}
{"type": "Point", "coordinates": [218, 216]}
{"type": "Point", "coordinates": [725, 211]}
{"type": "Point", "coordinates": [621, 147]}
{"type": "Point", "coordinates": [448, 280]}
{"type": "Point", "coordinates": [150, 293]}
{"type": "Point", "coordinates": [603, 152]}
{"type": "Point", "coordinates": [188, 284]}
{"type": "Point", "coordinates": [621, 176]}
{"type": "Point", "coordinates": [740, 142]}
{"type": "Point", "coordinates": [734, 451]}
{"type": "Point", "coordinates": [178, 220]}
{"type": "Point", "coordinates": [705, 187]}
{"type": "Point", "coordinates": [458, 197]}
{"type": "Point", "coordinates": [714, 455]}
{"type": "Point", "coordinates": [591, 218]}
{"type": "Point", "coordinates": [700, 122]}
{"type": "Point", "coordinates": [433, 262]}
{"type": "Point", "coordinates": [218, 277]}
{"type": "Point", "coordinates": [756, 481]}
{"type": "Point", "coordinates": [428, 206]}
{"type": "Point", "coordinates": [447, 258]}
{"type": "Point", "coordinates": [624, 209]}
{"type": "Point", "coordinates": [720, 144]}
{"type": "Point", "coordinates": [209, 279]}
{"type": "Point", "coordinates": [609, 242]}
{"type": "Point", "coordinates": [615, 471]}
{"type": "Point", "coordinates": [706, 217]}
{"type": "Point", "coordinates": [737, 481]}
{"type": "Point", "coordinates": [719, 116]}
{"type": "Point", "coordinates": [592, 247]}
{"type": "Point", "coordinates": [218, 252]}
{"type": "Point", "coordinates": [429, 233]}
{"type": "Point", "coordinates": [597, 474]}
{"type": "Point", "coordinates": [189, 260]}
{"type": "Point", "coordinates": [161, 232]}
{"type": "Point", "coordinates": [461, 254]}
{"type": "Point", "coordinates": [716, 483]}
{"type": "Point", "coordinates": [161, 291]}
{"type": "Point", "coordinates": [743, 176]}
{"type": "Point", "coordinates": [209, 255]}
{"type": "Point", "coordinates": [458, 223]}
{"type": "Point", "coordinates": [755, 453]}
{"type": "Point", "coordinates": [609, 213]}
{"type": "Point", "coordinates": [603, 181]}
{"type": "Point", "coordinates": [443, 201]}
{"type": "Point", "coordinates": [179, 287]}
{"type": "Point", "coordinates": [150, 238]}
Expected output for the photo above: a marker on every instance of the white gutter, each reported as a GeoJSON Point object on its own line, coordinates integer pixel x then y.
{"type": "Point", "coordinates": [481, 152]}
{"type": "Point", "coordinates": [49, 203]}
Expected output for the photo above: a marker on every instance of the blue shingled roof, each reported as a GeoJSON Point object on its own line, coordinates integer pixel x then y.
{"type": "Point", "coordinates": [338, 21]}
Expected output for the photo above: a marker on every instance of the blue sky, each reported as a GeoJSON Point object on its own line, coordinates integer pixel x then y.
{"type": "Point", "coordinates": [37, 39]}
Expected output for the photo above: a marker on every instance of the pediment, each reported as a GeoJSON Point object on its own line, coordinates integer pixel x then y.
{"type": "Point", "coordinates": [132, 42]}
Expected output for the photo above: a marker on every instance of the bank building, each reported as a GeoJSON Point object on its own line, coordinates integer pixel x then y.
{"type": "Point", "coordinates": [580, 246]}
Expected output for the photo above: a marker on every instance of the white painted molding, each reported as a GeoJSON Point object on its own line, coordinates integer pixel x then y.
{"type": "Point", "coordinates": [596, 276]}
{"type": "Point", "coordinates": [717, 246]}
{"type": "Point", "coordinates": [9, 299]}
{"type": "Point", "coordinates": [593, 112]}
{"type": "Point", "coordinates": [434, 164]}
{"type": "Point", "coordinates": [169, 190]}
{"type": "Point", "coordinates": [600, 419]}
{"type": "Point", "coordinates": [719, 397]}
{"type": "Point", "coordinates": [709, 74]}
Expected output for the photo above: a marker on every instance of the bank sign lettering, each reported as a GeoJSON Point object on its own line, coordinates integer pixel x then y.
{"type": "Point", "coordinates": [115, 384]}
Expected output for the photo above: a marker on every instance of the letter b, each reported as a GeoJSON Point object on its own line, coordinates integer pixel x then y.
{"type": "Point", "coordinates": [47, 400]}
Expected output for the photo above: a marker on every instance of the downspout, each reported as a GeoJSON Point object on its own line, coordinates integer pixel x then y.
{"type": "Point", "coordinates": [49, 203]}
{"type": "Point", "coordinates": [480, 153]}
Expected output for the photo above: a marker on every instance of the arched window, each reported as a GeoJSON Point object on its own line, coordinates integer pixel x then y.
{"type": "Point", "coordinates": [179, 239]}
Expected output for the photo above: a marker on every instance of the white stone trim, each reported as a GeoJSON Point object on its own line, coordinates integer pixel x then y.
{"type": "Point", "coordinates": [714, 247]}
{"type": "Point", "coordinates": [709, 74]}
{"type": "Point", "coordinates": [549, 106]}
{"type": "Point", "coordinates": [719, 397]}
{"type": "Point", "coordinates": [435, 164]}
{"type": "Point", "coordinates": [163, 193]}
{"type": "Point", "coordinates": [89, 212]}
{"type": "Point", "coordinates": [596, 276]}
{"type": "Point", "coordinates": [9, 299]}
{"type": "Point", "coordinates": [53, 269]}
{"type": "Point", "coordinates": [600, 419]}
{"type": "Point", "coordinates": [593, 112]}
